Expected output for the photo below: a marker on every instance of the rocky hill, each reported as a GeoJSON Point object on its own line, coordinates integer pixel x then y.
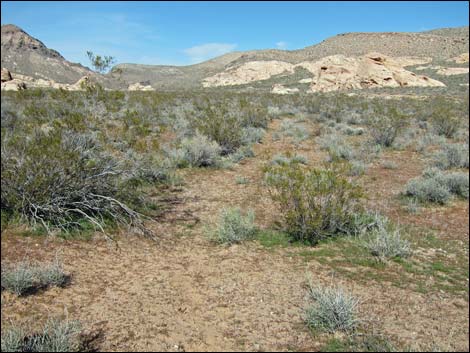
{"type": "Point", "coordinates": [25, 55]}
{"type": "Point", "coordinates": [437, 45]}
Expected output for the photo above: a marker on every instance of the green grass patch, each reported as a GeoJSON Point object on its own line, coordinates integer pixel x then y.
{"type": "Point", "coordinates": [363, 343]}
{"type": "Point", "coordinates": [273, 239]}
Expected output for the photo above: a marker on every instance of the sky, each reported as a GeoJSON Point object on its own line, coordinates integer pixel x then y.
{"type": "Point", "coordinates": [184, 33]}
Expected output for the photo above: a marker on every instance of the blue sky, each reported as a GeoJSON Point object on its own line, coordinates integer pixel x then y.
{"type": "Point", "coordinates": [182, 33]}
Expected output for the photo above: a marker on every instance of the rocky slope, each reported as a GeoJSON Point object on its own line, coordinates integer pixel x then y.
{"type": "Point", "coordinates": [434, 45]}
{"type": "Point", "coordinates": [25, 55]}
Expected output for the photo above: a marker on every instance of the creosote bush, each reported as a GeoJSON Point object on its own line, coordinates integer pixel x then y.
{"type": "Point", "coordinates": [332, 309]}
{"type": "Point", "coordinates": [386, 125]}
{"type": "Point", "coordinates": [315, 203]}
{"type": "Point", "coordinates": [58, 179]}
{"type": "Point", "coordinates": [233, 227]}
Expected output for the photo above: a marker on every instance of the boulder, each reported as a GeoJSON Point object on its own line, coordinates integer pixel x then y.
{"type": "Point", "coordinates": [6, 75]}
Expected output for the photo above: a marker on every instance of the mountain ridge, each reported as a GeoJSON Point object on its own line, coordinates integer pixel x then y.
{"type": "Point", "coordinates": [26, 55]}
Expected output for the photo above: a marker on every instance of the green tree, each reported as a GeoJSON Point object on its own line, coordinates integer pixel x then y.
{"type": "Point", "coordinates": [100, 63]}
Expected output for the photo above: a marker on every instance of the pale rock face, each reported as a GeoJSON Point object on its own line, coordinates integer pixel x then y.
{"type": "Point", "coordinates": [280, 89]}
{"type": "Point", "coordinates": [306, 80]}
{"type": "Point", "coordinates": [140, 87]}
{"type": "Point", "coordinates": [449, 71]}
{"type": "Point", "coordinates": [20, 81]}
{"type": "Point", "coordinates": [332, 73]}
{"type": "Point", "coordinates": [248, 72]}
{"type": "Point", "coordinates": [460, 59]}
{"type": "Point", "coordinates": [430, 67]}
{"type": "Point", "coordinates": [13, 85]}
{"type": "Point", "coordinates": [338, 72]}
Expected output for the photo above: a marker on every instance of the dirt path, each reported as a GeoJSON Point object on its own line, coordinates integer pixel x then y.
{"type": "Point", "coordinates": [184, 293]}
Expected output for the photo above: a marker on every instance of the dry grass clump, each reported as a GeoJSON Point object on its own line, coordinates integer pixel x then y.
{"type": "Point", "coordinates": [332, 309]}
{"type": "Point", "coordinates": [25, 277]}
{"type": "Point", "coordinates": [233, 227]}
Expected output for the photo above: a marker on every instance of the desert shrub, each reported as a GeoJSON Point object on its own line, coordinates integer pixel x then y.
{"type": "Point", "coordinates": [274, 111]}
{"type": "Point", "coordinates": [233, 227]}
{"type": "Point", "coordinates": [241, 180]}
{"type": "Point", "coordinates": [19, 280]}
{"type": "Point", "coordinates": [242, 153]}
{"type": "Point", "coordinates": [357, 168]}
{"type": "Point", "coordinates": [59, 179]}
{"type": "Point", "coordinates": [354, 118]}
{"type": "Point", "coordinates": [427, 140]}
{"type": "Point", "coordinates": [451, 156]}
{"type": "Point", "coordinates": [369, 151]}
{"type": "Point", "coordinates": [221, 126]}
{"type": "Point", "coordinates": [198, 151]}
{"type": "Point", "coordinates": [252, 135]}
{"type": "Point", "coordinates": [337, 147]}
{"type": "Point", "coordinates": [386, 125]}
{"type": "Point", "coordinates": [385, 242]}
{"type": "Point", "coordinates": [429, 189]}
{"type": "Point", "coordinates": [55, 336]}
{"type": "Point", "coordinates": [435, 186]}
{"type": "Point", "coordinates": [286, 160]}
{"type": "Point", "coordinates": [149, 169]}
{"type": "Point", "coordinates": [296, 131]}
{"type": "Point", "coordinates": [457, 183]}
{"type": "Point", "coordinates": [315, 203]}
{"type": "Point", "coordinates": [389, 165]}
{"type": "Point", "coordinates": [24, 277]}
{"type": "Point", "coordinates": [333, 309]}
{"type": "Point", "coordinates": [13, 340]}
{"type": "Point", "coordinates": [353, 131]}
{"type": "Point", "coordinates": [444, 123]}
{"type": "Point", "coordinates": [412, 206]}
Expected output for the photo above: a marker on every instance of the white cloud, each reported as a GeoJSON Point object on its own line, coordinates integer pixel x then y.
{"type": "Point", "coordinates": [207, 51]}
{"type": "Point", "coordinates": [281, 45]}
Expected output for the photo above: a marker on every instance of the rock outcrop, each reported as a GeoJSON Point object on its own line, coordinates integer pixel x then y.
{"type": "Point", "coordinates": [140, 87]}
{"type": "Point", "coordinates": [332, 73]}
{"type": "Point", "coordinates": [13, 85]}
{"type": "Point", "coordinates": [19, 82]}
{"type": "Point", "coordinates": [6, 75]}
{"type": "Point", "coordinates": [249, 72]}
{"type": "Point", "coordinates": [450, 71]}
{"type": "Point", "coordinates": [460, 59]}
{"type": "Point", "coordinates": [280, 89]}
{"type": "Point", "coordinates": [373, 70]}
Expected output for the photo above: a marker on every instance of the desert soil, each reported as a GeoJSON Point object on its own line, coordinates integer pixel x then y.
{"type": "Point", "coordinates": [183, 292]}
